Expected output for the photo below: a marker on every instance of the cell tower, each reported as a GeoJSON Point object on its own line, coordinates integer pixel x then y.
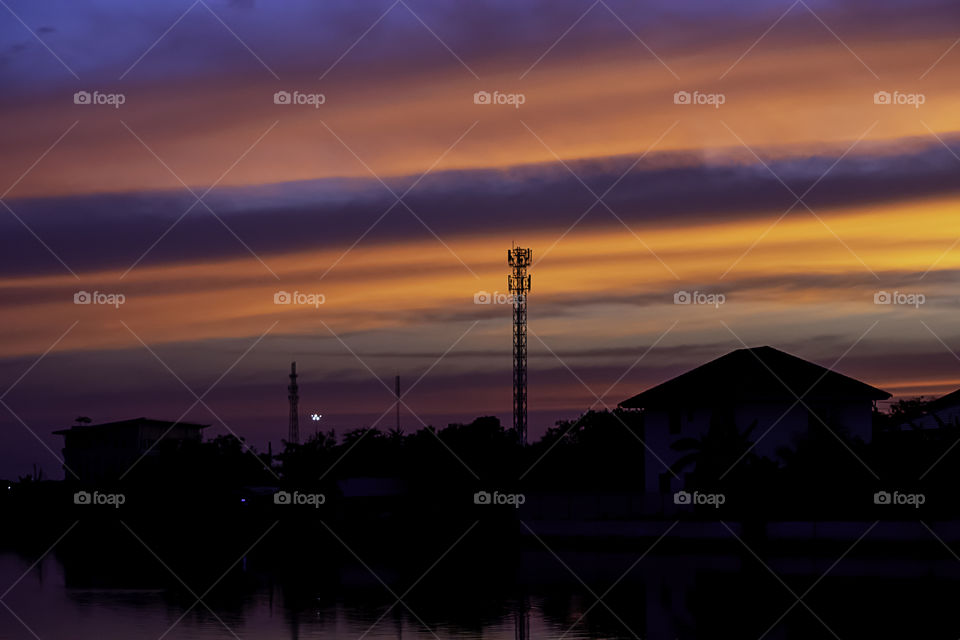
{"type": "Point", "coordinates": [519, 284]}
{"type": "Point", "coordinates": [293, 434]}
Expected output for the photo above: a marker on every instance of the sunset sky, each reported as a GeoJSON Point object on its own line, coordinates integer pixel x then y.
{"type": "Point", "coordinates": [798, 199]}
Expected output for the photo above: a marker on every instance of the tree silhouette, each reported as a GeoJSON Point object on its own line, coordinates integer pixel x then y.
{"type": "Point", "coordinates": [599, 450]}
{"type": "Point", "coordinates": [714, 453]}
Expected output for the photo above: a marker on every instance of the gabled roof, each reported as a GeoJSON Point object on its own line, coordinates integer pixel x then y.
{"type": "Point", "coordinates": [950, 400]}
{"type": "Point", "coordinates": [760, 374]}
{"type": "Point", "coordinates": [125, 424]}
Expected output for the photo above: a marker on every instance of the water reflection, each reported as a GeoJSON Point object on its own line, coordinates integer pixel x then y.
{"type": "Point", "coordinates": [534, 594]}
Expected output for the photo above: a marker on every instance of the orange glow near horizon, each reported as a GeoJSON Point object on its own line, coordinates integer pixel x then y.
{"type": "Point", "coordinates": [397, 288]}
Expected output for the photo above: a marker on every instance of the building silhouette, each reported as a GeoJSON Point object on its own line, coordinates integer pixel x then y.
{"type": "Point", "coordinates": [105, 452]}
{"type": "Point", "coordinates": [758, 386]}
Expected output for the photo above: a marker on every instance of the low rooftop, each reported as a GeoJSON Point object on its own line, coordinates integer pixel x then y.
{"type": "Point", "coordinates": [126, 424]}
{"type": "Point", "coordinates": [950, 400]}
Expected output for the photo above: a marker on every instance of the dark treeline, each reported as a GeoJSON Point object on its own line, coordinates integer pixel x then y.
{"type": "Point", "coordinates": [399, 500]}
{"type": "Point", "coordinates": [369, 477]}
{"type": "Point", "coordinates": [600, 452]}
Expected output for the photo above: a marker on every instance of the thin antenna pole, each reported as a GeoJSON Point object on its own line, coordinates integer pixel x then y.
{"type": "Point", "coordinates": [293, 391]}
{"type": "Point", "coordinates": [397, 380]}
